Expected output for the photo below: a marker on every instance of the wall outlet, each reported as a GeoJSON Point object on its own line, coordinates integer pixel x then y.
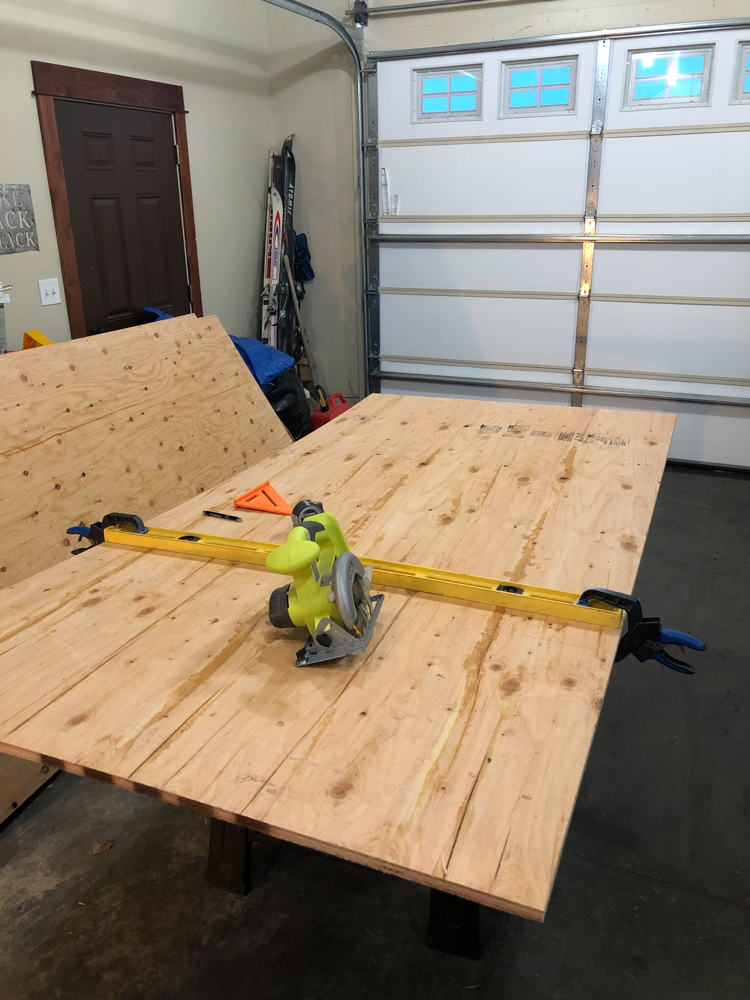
{"type": "Point", "coordinates": [49, 289]}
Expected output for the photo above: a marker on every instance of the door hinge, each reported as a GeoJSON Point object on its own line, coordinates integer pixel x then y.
{"type": "Point", "coordinates": [177, 154]}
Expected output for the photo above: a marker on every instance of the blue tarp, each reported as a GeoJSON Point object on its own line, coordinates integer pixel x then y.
{"type": "Point", "coordinates": [265, 362]}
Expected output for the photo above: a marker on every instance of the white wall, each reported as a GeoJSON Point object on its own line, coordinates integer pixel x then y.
{"type": "Point", "coordinates": [501, 20]}
{"type": "Point", "coordinates": [217, 53]}
{"type": "Point", "coordinates": [312, 87]}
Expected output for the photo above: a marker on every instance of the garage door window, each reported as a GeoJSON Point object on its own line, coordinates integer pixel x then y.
{"type": "Point", "coordinates": [544, 87]}
{"type": "Point", "coordinates": [668, 78]}
{"type": "Point", "coordinates": [440, 95]}
{"type": "Point", "coordinates": [742, 82]}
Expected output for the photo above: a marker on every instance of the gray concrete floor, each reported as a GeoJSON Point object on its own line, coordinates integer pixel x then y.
{"type": "Point", "coordinates": [652, 899]}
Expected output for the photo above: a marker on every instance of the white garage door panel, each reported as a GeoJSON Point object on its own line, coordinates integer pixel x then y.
{"type": "Point", "coordinates": [718, 272]}
{"type": "Point", "coordinates": [719, 435]}
{"type": "Point", "coordinates": [541, 269]}
{"type": "Point", "coordinates": [504, 178]}
{"type": "Point", "coordinates": [475, 373]}
{"type": "Point", "coordinates": [469, 392]}
{"type": "Point", "coordinates": [676, 339]}
{"type": "Point", "coordinates": [395, 83]}
{"type": "Point", "coordinates": [394, 225]}
{"type": "Point", "coordinates": [739, 389]}
{"type": "Point", "coordinates": [514, 331]}
{"type": "Point", "coordinates": [672, 174]}
{"type": "Point", "coordinates": [664, 319]}
{"type": "Point", "coordinates": [718, 111]}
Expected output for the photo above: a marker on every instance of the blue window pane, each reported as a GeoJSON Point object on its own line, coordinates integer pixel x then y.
{"type": "Point", "coordinates": [747, 84]}
{"type": "Point", "coordinates": [646, 90]}
{"type": "Point", "coordinates": [555, 95]}
{"type": "Point", "coordinates": [747, 61]}
{"type": "Point", "coordinates": [434, 85]}
{"type": "Point", "coordinates": [464, 102]}
{"type": "Point", "coordinates": [434, 105]}
{"type": "Point", "coordinates": [464, 82]}
{"type": "Point", "coordinates": [555, 74]}
{"type": "Point", "coordinates": [648, 66]}
{"type": "Point", "coordinates": [523, 99]}
{"type": "Point", "coordinates": [524, 77]}
{"type": "Point", "coordinates": [690, 64]}
{"type": "Point", "coordinates": [689, 87]}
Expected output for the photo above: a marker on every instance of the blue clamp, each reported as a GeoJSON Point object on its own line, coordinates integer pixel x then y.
{"type": "Point", "coordinates": [644, 637]}
{"type": "Point", "coordinates": [95, 532]}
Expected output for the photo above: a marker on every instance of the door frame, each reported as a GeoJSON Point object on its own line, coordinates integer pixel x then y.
{"type": "Point", "coordinates": [51, 81]}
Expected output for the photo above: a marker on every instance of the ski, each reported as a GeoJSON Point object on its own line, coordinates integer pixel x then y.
{"type": "Point", "coordinates": [285, 313]}
{"type": "Point", "coordinates": [265, 295]}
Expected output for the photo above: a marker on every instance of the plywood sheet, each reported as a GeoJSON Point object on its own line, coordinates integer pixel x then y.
{"type": "Point", "coordinates": [144, 417]}
{"type": "Point", "coordinates": [451, 753]}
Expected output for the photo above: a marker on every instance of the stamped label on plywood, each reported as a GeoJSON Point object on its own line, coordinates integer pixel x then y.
{"type": "Point", "coordinates": [521, 430]}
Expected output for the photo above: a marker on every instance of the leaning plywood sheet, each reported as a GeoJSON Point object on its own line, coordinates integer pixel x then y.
{"type": "Point", "coordinates": [144, 417]}
{"type": "Point", "coordinates": [451, 753]}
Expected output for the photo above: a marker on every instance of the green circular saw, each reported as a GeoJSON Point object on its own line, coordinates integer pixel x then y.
{"type": "Point", "coordinates": [330, 589]}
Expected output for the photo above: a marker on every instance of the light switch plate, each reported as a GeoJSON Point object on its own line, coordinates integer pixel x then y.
{"type": "Point", "coordinates": [49, 289]}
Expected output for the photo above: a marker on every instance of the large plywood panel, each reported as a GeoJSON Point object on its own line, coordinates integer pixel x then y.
{"type": "Point", "coordinates": [451, 753]}
{"type": "Point", "coordinates": [143, 418]}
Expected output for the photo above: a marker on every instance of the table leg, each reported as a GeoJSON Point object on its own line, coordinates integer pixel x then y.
{"type": "Point", "coordinates": [453, 925]}
{"type": "Point", "coordinates": [229, 857]}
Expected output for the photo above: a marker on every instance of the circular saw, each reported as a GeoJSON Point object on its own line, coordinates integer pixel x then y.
{"type": "Point", "coordinates": [330, 589]}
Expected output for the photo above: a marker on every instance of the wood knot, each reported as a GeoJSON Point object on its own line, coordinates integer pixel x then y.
{"type": "Point", "coordinates": [446, 519]}
{"type": "Point", "coordinates": [629, 543]}
{"type": "Point", "coordinates": [146, 611]}
{"type": "Point", "coordinates": [78, 719]}
{"type": "Point", "coordinates": [511, 685]}
{"type": "Point", "coordinates": [597, 702]}
{"type": "Point", "coordinates": [91, 602]}
{"type": "Point", "coordinates": [496, 666]}
{"type": "Point", "coordinates": [626, 486]}
{"type": "Point", "coordinates": [569, 682]}
{"type": "Point", "coordinates": [523, 480]}
{"type": "Point", "coordinates": [341, 790]}
{"type": "Point", "coordinates": [444, 427]}
{"type": "Point", "coordinates": [473, 468]}
{"type": "Point", "coordinates": [350, 457]}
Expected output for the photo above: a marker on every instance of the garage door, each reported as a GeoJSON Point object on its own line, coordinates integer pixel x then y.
{"type": "Point", "coordinates": [568, 222]}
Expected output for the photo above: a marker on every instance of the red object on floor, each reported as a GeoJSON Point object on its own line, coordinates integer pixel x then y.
{"type": "Point", "coordinates": [335, 405]}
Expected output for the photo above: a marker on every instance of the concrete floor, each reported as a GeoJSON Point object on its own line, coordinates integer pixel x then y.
{"type": "Point", "coordinates": [652, 899]}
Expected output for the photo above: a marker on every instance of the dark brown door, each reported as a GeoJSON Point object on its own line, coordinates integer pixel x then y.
{"type": "Point", "coordinates": [121, 176]}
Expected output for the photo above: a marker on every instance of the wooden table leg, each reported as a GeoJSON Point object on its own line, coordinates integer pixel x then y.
{"type": "Point", "coordinates": [229, 857]}
{"type": "Point", "coordinates": [453, 925]}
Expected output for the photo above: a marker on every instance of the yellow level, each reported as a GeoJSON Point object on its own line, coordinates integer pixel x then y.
{"type": "Point", "coordinates": [459, 586]}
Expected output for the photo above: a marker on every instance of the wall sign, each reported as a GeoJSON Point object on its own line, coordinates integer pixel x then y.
{"type": "Point", "coordinates": [17, 223]}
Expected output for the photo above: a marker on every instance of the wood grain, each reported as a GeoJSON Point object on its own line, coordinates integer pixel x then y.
{"type": "Point", "coordinates": [61, 213]}
{"type": "Point", "coordinates": [140, 418]}
{"type": "Point", "coordinates": [79, 84]}
{"type": "Point", "coordinates": [18, 780]}
{"type": "Point", "coordinates": [451, 753]}
{"type": "Point", "coordinates": [188, 215]}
